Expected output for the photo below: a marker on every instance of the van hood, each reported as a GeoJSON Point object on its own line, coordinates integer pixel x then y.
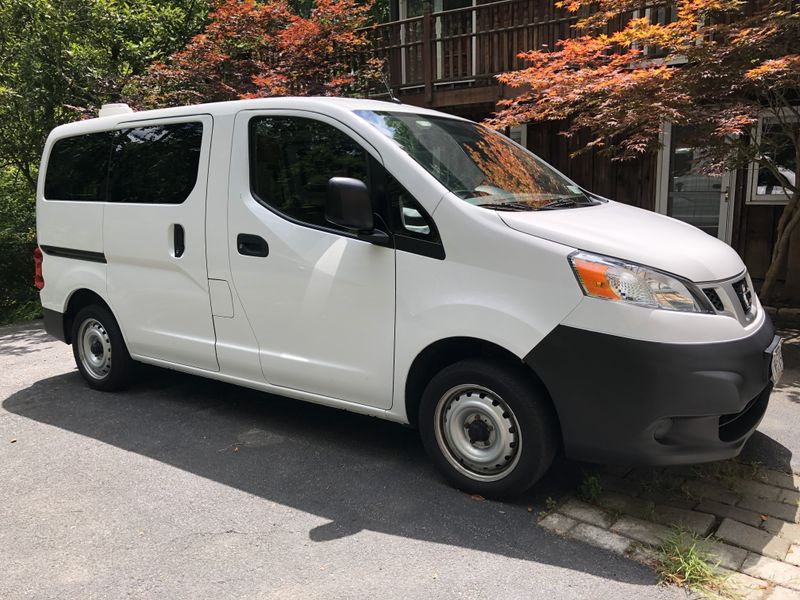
{"type": "Point", "coordinates": [633, 234]}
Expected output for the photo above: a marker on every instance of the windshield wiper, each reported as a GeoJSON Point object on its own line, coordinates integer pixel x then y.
{"type": "Point", "coordinates": [508, 206]}
{"type": "Point", "coordinates": [560, 203]}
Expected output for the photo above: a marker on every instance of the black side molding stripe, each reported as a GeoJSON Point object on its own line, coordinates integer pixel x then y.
{"type": "Point", "coordinates": [97, 257]}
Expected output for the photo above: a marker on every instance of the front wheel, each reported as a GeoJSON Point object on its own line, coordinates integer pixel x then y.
{"type": "Point", "coordinates": [488, 428]}
{"type": "Point", "coordinates": [99, 349]}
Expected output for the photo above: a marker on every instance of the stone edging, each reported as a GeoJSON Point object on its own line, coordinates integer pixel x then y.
{"type": "Point", "coordinates": [753, 533]}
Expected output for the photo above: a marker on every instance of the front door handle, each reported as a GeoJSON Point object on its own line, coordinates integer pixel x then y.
{"type": "Point", "coordinates": [251, 245]}
{"type": "Point", "coordinates": [179, 240]}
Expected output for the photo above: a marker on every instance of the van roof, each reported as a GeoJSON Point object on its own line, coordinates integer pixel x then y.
{"type": "Point", "coordinates": [323, 104]}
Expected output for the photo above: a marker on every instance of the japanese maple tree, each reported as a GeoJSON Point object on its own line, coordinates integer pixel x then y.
{"type": "Point", "coordinates": [254, 49]}
{"type": "Point", "coordinates": [717, 68]}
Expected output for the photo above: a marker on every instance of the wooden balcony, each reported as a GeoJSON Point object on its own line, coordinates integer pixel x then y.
{"type": "Point", "coordinates": [450, 57]}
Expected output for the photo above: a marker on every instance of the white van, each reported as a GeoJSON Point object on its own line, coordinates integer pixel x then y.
{"type": "Point", "coordinates": [405, 264]}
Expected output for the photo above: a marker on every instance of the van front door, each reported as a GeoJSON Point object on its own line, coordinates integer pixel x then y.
{"type": "Point", "coordinates": [320, 301]}
{"type": "Point", "coordinates": [154, 240]}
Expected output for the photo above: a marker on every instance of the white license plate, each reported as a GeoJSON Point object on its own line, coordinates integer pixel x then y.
{"type": "Point", "coordinates": [776, 364]}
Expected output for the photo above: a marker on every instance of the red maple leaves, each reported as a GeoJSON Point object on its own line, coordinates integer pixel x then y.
{"type": "Point", "coordinates": [255, 49]}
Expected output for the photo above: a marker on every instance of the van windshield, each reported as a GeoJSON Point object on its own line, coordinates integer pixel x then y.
{"type": "Point", "coordinates": [477, 164]}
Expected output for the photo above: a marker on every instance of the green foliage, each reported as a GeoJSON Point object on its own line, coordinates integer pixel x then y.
{"type": "Point", "coordinates": [59, 61]}
{"type": "Point", "coordinates": [379, 10]}
{"type": "Point", "coordinates": [684, 561]}
{"type": "Point", "coordinates": [18, 301]}
{"type": "Point", "coordinates": [590, 488]}
{"type": "Point", "coordinates": [550, 505]}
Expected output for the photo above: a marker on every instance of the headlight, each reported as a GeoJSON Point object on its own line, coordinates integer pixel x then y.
{"type": "Point", "coordinates": [618, 281]}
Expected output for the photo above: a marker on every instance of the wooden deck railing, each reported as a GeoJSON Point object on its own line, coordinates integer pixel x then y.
{"type": "Point", "coordinates": [468, 46]}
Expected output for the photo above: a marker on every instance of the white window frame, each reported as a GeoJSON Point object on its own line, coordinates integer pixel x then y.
{"type": "Point", "coordinates": [519, 134]}
{"type": "Point", "coordinates": [753, 197]}
{"type": "Point", "coordinates": [727, 186]}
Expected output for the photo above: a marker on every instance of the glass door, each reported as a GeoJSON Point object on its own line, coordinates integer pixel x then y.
{"type": "Point", "coordinates": [686, 193]}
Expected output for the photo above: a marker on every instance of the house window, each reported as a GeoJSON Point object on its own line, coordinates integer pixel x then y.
{"type": "Point", "coordinates": [767, 185]}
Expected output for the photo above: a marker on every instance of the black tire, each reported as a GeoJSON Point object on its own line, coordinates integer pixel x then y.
{"type": "Point", "coordinates": [107, 375]}
{"type": "Point", "coordinates": [496, 387]}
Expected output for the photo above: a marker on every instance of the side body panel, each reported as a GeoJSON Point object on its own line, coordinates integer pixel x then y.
{"type": "Point", "coordinates": [494, 285]}
{"type": "Point", "coordinates": [321, 304]}
{"type": "Point", "coordinates": [68, 225]}
{"type": "Point", "coordinates": [162, 295]}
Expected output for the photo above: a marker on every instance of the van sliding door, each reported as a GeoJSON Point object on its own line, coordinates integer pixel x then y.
{"type": "Point", "coordinates": [154, 239]}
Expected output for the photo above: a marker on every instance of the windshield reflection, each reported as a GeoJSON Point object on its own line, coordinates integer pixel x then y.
{"type": "Point", "coordinates": [477, 164]}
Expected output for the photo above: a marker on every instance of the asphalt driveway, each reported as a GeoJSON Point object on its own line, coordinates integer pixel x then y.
{"type": "Point", "coordinates": [186, 488]}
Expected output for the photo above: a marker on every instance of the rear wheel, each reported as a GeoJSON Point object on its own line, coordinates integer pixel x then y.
{"type": "Point", "coordinates": [100, 352]}
{"type": "Point", "coordinates": [488, 428]}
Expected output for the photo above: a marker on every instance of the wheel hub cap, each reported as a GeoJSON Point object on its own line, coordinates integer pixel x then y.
{"type": "Point", "coordinates": [477, 432]}
{"type": "Point", "coordinates": [94, 348]}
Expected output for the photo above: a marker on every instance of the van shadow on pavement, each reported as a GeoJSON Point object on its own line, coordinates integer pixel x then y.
{"type": "Point", "coordinates": [358, 472]}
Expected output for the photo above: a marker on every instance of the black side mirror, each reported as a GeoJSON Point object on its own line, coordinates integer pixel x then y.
{"type": "Point", "coordinates": [349, 204]}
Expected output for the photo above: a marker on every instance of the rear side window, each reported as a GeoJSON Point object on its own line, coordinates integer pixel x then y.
{"type": "Point", "coordinates": [77, 168]}
{"type": "Point", "coordinates": [155, 164]}
{"type": "Point", "coordinates": [291, 161]}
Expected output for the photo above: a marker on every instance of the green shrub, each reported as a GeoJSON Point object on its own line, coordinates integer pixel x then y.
{"type": "Point", "coordinates": [18, 297]}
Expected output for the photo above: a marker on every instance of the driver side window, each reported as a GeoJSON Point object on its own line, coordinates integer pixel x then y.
{"type": "Point", "coordinates": [291, 161]}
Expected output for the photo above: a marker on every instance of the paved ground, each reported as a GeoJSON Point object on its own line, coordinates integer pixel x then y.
{"type": "Point", "coordinates": [183, 487]}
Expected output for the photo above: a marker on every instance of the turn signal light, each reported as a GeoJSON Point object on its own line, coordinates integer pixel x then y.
{"type": "Point", "coordinates": [594, 280]}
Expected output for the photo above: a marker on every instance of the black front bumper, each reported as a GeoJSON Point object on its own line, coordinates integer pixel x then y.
{"type": "Point", "coordinates": [627, 401]}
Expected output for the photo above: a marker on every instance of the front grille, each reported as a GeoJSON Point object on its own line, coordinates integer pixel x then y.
{"type": "Point", "coordinates": [714, 298]}
{"type": "Point", "coordinates": [736, 425]}
{"type": "Point", "coordinates": [744, 294]}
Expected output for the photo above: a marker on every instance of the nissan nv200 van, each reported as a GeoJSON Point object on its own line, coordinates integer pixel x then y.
{"type": "Point", "coordinates": [405, 264]}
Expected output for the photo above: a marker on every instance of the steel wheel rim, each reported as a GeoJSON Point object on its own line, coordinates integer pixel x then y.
{"type": "Point", "coordinates": [477, 432]}
{"type": "Point", "coordinates": [94, 348]}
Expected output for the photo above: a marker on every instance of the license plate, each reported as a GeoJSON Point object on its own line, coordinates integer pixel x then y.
{"type": "Point", "coordinates": [776, 363]}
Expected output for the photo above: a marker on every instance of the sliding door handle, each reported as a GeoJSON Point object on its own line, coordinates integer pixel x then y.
{"type": "Point", "coordinates": [179, 240]}
{"type": "Point", "coordinates": [251, 245]}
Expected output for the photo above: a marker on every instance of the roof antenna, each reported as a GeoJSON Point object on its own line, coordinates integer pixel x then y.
{"type": "Point", "coordinates": [389, 91]}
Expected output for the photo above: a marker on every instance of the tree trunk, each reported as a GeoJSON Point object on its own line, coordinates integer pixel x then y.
{"type": "Point", "coordinates": [790, 217]}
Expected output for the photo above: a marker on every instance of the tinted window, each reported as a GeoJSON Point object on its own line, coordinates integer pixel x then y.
{"type": "Point", "coordinates": [77, 168]}
{"type": "Point", "coordinates": [155, 164]}
{"type": "Point", "coordinates": [292, 159]}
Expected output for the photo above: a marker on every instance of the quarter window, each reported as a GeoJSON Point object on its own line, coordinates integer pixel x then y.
{"type": "Point", "coordinates": [77, 168]}
{"type": "Point", "coordinates": [292, 159]}
{"type": "Point", "coordinates": [155, 164]}
{"type": "Point", "coordinates": [408, 217]}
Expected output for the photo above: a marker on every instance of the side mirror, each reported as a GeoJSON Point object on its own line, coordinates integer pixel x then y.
{"type": "Point", "coordinates": [349, 204]}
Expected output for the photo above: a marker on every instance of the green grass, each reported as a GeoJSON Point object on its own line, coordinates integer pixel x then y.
{"type": "Point", "coordinates": [590, 488]}
{"type": "Point", "coordinates": [550, 505]}
{"type": "Point", "coordinates": [684, 561]}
